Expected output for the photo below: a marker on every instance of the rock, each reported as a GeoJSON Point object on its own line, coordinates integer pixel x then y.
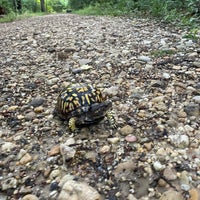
{"type": "Point", "coordinates": [144, 58]}
{"type": "Point", "coordinates": [67, 152]}
{"type": "Point", "coordinates": [30, 197]}
{"type": "Point", "coordinates": [170, 174]}
{"type": "Point", "coordinates": [56, 173]}
{"type": "Point", "coordinates": [7, 147]}
{"type": "Point", "coordinates": [196, 99]}
{"type": "Point", "coordinates": [113, 140]}
{"type": "Point", "coordinates": [9, 183]}
{"type": "Point", "coordinates": [196, 64]}
{"type": "Point", "coordinates": [75, 190]}
{"type": "Point", "coordinates": [30, 116]}
{"type": "Point", "coordinates": [158, 166]}
{"type": "Point", "coordinates": [83, 62]}
{"type": "Point", "coordinates": [194, 194]}
{"type": "Point", "coordinates": [192, 109]}
{"type": "Point", "coordinates": [38, 101]}
{"type": "Point", "coordinates": [125, 170]}
{"type": "Point", "coordinates": [39, 109]}
{"type": "Point", "coordinates": [112, 91]}
{"type": "Point", "coordinates": [166, 75]}
{"type": "Point", "coordinates": [171, 195]}
{"type": "Point", "coordinates": [12, 108]}
{"type": "Point", "coordinates": [180, 141]}
{"type": "Point", "coordinates": [25, 159]}
{"type": "Point", "coordinates": [54, 150]}
{"type": "Point", "coordinates": [130, 138]}
{"type": "Point", "coordinates": [104, 149]}
{"type": "Point", "coordinates": [126, 130]}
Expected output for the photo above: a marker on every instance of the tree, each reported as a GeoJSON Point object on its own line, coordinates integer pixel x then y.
{"type": "Point", "coordinates": [42, 3]}
{"type": "Point", "coordinates": [17, 5]}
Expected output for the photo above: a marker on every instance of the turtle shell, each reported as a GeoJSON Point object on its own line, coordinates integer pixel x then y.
{"type": "Point", "coordinates": [83, 101]}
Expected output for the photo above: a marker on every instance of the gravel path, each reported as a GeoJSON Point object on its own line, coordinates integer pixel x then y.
{"type": "Point", "coordinates": [149, 70]}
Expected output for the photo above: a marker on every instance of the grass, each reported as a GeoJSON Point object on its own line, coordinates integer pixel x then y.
{"type": "Point", "coordinates": [162, 53]}
{"type": "Point", "coordinates": [14, 16]}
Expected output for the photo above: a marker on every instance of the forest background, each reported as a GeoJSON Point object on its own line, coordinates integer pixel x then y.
{"type": "Point", "coordinates": [185, 12]}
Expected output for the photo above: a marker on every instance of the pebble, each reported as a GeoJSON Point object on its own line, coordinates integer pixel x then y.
{"type": "Point", "coordinates": [9, 183]}
{"type": "Point", "coordinates": [180, 141]}
{"type": "Point", "coordinates": [30, 197]}
{"type": "Point", "coordinates": [158, 166]}
{"type": "Point", "coordinates": [126, 130]}
{"type": "Point", "coordinates": [196, 99]}
{"type": "Point", "coordinates": [144, 58]}
{"type": "Point", "coordinates": [131, 138]}
{"type": "Point", "coordinates": [113, 140]}
{"type": "Point", "coordinates": [25, 159]}
{"type": "Point", "coordinates": [37, 101]}
{"type": "Point", "coordinates": [112, 91]}
{"type": "Point", "coordinates": [170, 174]}
{"type": "Point", "coordinates": [171, 195]}
{"type": "Point", "coordinates": [7, 147]}
{"type": "Point", "coordinates": [39, 109]}
{"type": "Point", "coordinates": [30, 116]}
{"type": "Point", "coordinates": [194, 194]}
{"type": "Point", "coordinates": [54, 150]}
{"type": "Point", "coordinates": [78, 190]}
{"type": "Point", "coordinates": [166, 76]}
{"type": "Point", "coordinates": [192, 109]}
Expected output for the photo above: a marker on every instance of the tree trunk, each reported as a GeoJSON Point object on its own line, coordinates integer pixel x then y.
{"type": "Point", "coordinates": [17, 5]}
{"type": "Point", "coordinates": [42, 3]}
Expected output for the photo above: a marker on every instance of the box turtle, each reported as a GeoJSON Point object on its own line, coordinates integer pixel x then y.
{"type": "Point", "coordinates": [83, 104]}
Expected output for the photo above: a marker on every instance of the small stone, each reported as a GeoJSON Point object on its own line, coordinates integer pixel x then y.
{"type": "Point", "coordinates": [78, 191]}
{"type": "Point", "coordinates": [185, 187]}
{"type": "Point", "coordinates": [170, 174]}
{"type": "Point", "coordinates": [171, 195]}
{"type": "Point", "coordinates": [8, 183]}
{"type": "Point", "coordinates": [192, 109]}
{"type": "Point", "coordinates": [83, 62]}
{"type": "Point", "coordinates": [25, 159]}
{"type": "Point", "coordinates": [38, 101]}
{"type": "Point", "coordinates": [113, 140]}
{"type": "Point", "coordinates": [54, 150]}
{"type": "Point", "coordinates": [180, 141]}
{"type": "Point", "coordinates": [12, 108]}
{"type": "Point", "coordinates": [196, 99]}
{"type": "Point", "coordinates": [144, 58]}
{"type": "Point", "coordinates": [39, 109]}
{"type": "Point", "coordinates": [30, 116]}
{"type": "Point", "coordinates": [130, 138]}
{"type": "Point", "coordinates": [158, 166]}
{"type": "Point", "coordinates": [196, 64]}
{"type": "Point", "coordinates": [7, 147]}
{"type": "Point", "coordinates": [54, 174]}
{"type": "Point", "coordinates": [194, 194]}
{"type": "Point", "coordinates": [112, 91]}
{"type": "Point", "coordinates": [30, 197]}
{"type": "Point", "coordinates": [67, 152]}
{"type": "Point", "coordinates": [125, 169]}
{"type": "Point", "coordinates": [104, 149]}
{"type": "Point", "coordinates": [166, 75]}
{"type": "Point", "coordinates": [126, 130]}
{"type": "Point", "coordinates": [148, 146]}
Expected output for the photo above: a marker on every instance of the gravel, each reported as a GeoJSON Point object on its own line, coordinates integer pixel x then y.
{"type": "Point", "coordinates": [151, 73]}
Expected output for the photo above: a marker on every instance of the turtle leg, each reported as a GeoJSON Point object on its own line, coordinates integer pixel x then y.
{"type": "Point", "coordinates": [72, 124]}
{"type": "Point", "coordinates": [111, 119]}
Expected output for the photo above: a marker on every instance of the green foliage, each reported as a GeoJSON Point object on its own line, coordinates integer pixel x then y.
{"type": "Point", "coordinates": [185, 12]}
{"type": "Point", "coordinates": [192, 34]}
{"type": "Point", "coordinates": [162, 52]}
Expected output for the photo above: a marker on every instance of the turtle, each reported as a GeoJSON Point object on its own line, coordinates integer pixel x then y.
{"type": "Point", "coordinates": [83, 104]}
